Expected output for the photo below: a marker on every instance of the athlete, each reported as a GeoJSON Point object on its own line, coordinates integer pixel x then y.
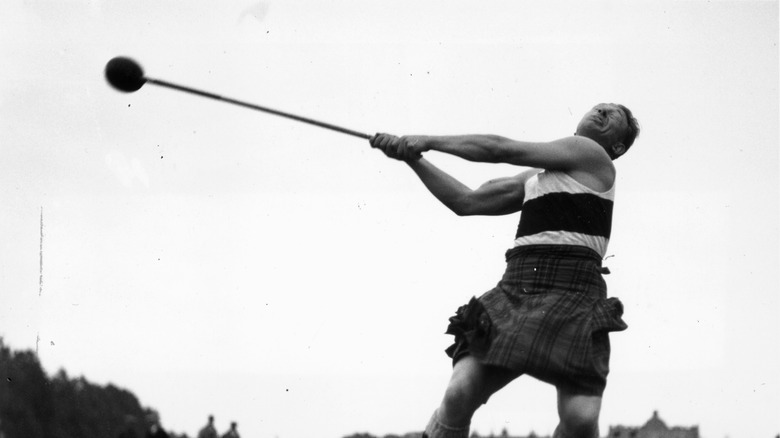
{"type": "Point", "coordinates": [549, 316]}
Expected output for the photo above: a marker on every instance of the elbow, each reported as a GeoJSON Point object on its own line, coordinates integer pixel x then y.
{"type": "Point", "coordinates": [462, 207]}
{"type": "Point", "coordinates": [457, 208]}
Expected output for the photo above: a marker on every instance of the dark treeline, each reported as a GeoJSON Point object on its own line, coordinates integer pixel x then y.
{"type": "Point", "coordinates": [33, 405]}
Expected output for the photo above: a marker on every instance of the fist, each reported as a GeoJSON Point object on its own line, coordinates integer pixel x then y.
{"type": "Point", "coordinates": [399, 148]}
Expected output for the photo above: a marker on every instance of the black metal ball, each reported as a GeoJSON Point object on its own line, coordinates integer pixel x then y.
{"type": "Point", "coordinates": [124, 74]}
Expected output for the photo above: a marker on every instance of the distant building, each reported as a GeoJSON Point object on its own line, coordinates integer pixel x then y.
{"type": "Point", "coordinates": [654, 428]}
{"type": "Point", "coordinates": [505, 434]}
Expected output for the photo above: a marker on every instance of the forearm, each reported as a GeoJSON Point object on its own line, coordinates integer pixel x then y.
{"type": "Point", "coordinates": [448, 190]}
{"type": "Point", "coordinates": [479, 148]}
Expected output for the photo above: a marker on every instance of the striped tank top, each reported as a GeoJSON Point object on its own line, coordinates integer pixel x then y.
{"type": "Point", "coordinates": [559, 210]}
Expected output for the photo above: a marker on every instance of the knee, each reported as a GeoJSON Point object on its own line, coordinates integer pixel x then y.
{"type": "Point", "coordinates": [461, 400]}
{"type": "Point", "coordinates": [580, 422]}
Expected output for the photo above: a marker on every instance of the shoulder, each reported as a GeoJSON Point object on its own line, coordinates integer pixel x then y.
{"type": "Point", "coordinates": [593, 166]}
{"type": "Point", "coordinates": [566, 154]}
{"type": "Point", "coordinates": [583, 147]}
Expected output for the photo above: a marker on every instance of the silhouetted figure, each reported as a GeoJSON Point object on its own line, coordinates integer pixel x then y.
{"type": "Point", "coordinates": [155, 429]}
{"type": "Point", "coordinates": [232, 433]}
{"type": "Point", "coordinates": [209, 431]}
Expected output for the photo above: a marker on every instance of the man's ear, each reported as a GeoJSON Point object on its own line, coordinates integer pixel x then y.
{"type": "Point", "coordinates": [618, 149]}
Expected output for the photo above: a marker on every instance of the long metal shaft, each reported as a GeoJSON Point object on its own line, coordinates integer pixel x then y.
{"type": "Point", "coordinates": [259, 108]}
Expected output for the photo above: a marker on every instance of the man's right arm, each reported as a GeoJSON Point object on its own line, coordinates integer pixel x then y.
{"type": "Point", "coordinates": [574, 154]}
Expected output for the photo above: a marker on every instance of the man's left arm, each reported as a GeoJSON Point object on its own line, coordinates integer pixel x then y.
{"type": "Point", "coordinates": [496, 197]}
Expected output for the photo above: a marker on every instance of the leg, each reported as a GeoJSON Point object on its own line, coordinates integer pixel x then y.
{"type": "Point", "coordinates": [579, 415]}
{"type": "Point", "coordinates": [470, 386]}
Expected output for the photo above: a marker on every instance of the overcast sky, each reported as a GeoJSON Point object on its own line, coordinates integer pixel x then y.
{"type": "Point", "coordinates": [217, 260]}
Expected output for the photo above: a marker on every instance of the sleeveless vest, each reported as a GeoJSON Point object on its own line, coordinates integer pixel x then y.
{"type": "Point", "coordinates": [558, 210]}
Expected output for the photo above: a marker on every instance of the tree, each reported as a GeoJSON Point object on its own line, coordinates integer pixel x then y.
{"type": "Point", "coordinates": [26, 407]}
{"type": "Point", "coordinates": [34, 406]}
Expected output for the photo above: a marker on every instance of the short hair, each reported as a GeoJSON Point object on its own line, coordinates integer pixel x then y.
{"type": "Point", "coordinates": [633, 127]}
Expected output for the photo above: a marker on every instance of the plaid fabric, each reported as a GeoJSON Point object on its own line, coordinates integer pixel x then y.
{"type": "Point", "coordinates": [548, 317]}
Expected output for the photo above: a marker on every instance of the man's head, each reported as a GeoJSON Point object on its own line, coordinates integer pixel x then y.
{"type": "Point", "coordinates": [611, 125]}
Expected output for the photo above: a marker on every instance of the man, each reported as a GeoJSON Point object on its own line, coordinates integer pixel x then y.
{"type": "Point", "coordinates": [549, 316]}
{"type": "Point", "coordinates": [209, 431]}
{"type": "Point", "coordinates": [155, 430]}
{"type": "Point", "coordinates": [233, 432]}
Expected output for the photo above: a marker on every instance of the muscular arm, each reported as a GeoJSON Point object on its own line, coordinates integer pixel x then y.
{"type": "Point", "coordinates": [496, 197]}
{"type": "Point", "coordinates": [567, 154]}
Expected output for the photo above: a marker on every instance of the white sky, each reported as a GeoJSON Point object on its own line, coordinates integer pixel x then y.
{"type": "Point", "coordinates": [213, 259]}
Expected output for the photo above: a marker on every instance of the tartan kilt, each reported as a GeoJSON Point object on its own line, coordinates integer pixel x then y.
{"type": "Point", "coordinates": [548, 317]}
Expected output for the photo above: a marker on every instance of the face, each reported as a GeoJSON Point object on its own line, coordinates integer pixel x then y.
{"type": "Point", "coordinates": [606, 124]}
